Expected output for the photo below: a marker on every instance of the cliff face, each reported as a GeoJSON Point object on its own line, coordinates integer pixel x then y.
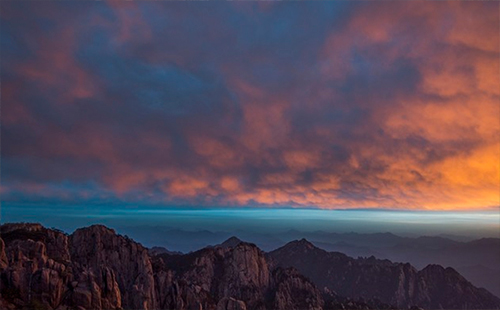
{"type": "Point", "coordinates": [293, 291]}
{"type": "Point", "coordinates": [94, 268]}
{"type": "Point", "coordinates": [394, 283]}
{"type": "Point", "coordinates": [441, 287]}
{"type": "Point", "coordinates": [35, 265]}
{"type": "Point", "coordinates": [118, 267]}
{"type": "Point", "coordinates": [239, 272]}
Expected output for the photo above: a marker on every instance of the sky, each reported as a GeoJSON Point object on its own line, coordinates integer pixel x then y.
{"type": "Point", "coordinates": [152, 225]}
{"type": "Point", "coordinates": [263, 105]}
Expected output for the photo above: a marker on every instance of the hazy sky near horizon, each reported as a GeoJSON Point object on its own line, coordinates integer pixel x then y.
{"type": "Point", "coordinates": [471, 224]}
{"type": "Point", "coordinates": [241, 104]}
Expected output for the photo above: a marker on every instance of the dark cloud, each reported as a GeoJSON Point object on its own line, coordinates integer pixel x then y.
{"type": "Point", "coordinates": [306, 104]}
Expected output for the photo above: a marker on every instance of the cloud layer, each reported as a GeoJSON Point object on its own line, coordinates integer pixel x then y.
{"type": "Point", "coordinates": [329, 105]}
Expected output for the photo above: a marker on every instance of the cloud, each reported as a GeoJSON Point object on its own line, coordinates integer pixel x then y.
{"type": "Point", "coordinates": [329, 105]}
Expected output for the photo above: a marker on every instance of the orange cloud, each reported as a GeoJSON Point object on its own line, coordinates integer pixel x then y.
{"type": "Point", "coordinates": [397, 108]}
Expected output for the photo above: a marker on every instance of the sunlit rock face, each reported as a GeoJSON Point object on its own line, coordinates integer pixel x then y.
{"type": "Point", "coordinates": [239, 272]}
{"type": "Point", "coordinates": [95, 268]}
{"type": "Point", "coordinates": [119, 266]}
{"type": "Point", "coordinates": [35, 265]}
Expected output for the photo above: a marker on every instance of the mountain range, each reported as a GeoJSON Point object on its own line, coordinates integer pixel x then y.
{"type": "Point", "coordinates": [477, 259]}
{"type": "Point", "coordinates": [96, 268]}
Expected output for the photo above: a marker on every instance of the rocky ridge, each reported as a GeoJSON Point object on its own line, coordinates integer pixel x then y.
{"type": "Point", "coordinates": [95, 268]}
{"type": "Point", "coordinates": [398, 284]}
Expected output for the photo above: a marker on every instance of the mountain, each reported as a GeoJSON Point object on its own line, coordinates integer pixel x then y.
{"type": "Point", "coordinates": [237, 274]}
{"type": "Point", "coordinates": [231, 242]}
{"type": "Point", "coordinates": [458, 252]}
{"type": "Point", "coordinates": [172, 238]}
{"type": "Point", "coordinates": [361, 240]}
{"type": "Point", "coordinates": [489, 278]}
{"type": "Point", "coordinates": [96, 268]}
{"type": "Point", "coordinates": [161, 250]}
{"type": "Point", "coordinates": [422, 251]}
{"type": "Point", "coordinates": [400, 284]}
{"type": "Point", "coordinates": [202, 278]}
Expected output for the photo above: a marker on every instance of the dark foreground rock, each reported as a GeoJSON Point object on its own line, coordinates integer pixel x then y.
{"type": "Point", "coordinates": [95, 268]}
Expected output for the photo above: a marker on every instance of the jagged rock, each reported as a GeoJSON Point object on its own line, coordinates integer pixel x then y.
{"type": "Point", "coordinates": [37, 265]}
{"type": "Point", "coordinates": [230, 243]}
{"type": "Point", "coordinates": [3, 257]}
{"type": "Point", "coordinates": [392, 283]}
{"type": "Point", "coordinates": [295, 292]}
{"type": "Point", "coordinates": [55, 241]}
{"type": "Point", "coordinates": [94, 268]}
{"type": "Point", "coordinates": [245, 267]}
{"type": "Point", "coordinates": [156, 250]}
{"type": "Point", "coordinates": [239, 272]}
{"type": "Point", "coordinates": [229, 303]}
{"type": "Point", "coordinates": [118, 265]}
{"type": "Point", "coordinates": [444, 287]}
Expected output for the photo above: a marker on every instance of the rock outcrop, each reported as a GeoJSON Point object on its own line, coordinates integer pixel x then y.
{"type": "Point", "coordinates": [239, 272]}
{"type": "Point", "coordinates": [231, 304]}
{"type": "Point", "coordinates": [393, 283]}
{"type": "Point", "coordinates": [230, 243]}
{"type": "Point", "coordinates": [35, 266]}
{"type": "Point", "coordinates": [438, 287]}
{"type": "Point", "coordinates": [119, 268]}
{"type": "Point", "coordinates": [293, 291]}
{"type": "Point", "coordinates": [3, 257]}
{"type": "Point", "coordinates": [95, 268]}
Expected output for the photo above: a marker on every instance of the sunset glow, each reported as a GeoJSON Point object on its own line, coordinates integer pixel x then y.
{"type": "Point", "coordinates": [336, 105]}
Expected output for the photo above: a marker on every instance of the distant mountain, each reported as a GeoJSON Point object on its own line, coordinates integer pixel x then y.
{"type": "Point", "coordinates": [95, 268]}
{"type": "Point", "coordinates": [240, 271]}
{"type": "Point", "coordinates": [487, 277]}
{"type": "Point", "coordinates": [434, 287]}
{"type": "Point", "coordinates": [453, 251]}
{"type": "Point", "coordinates": [423, 251]}
{"type": "Point", "coordinates": [456, 237]}
{"type": "Point", "coordinates": [176, 240]}
{"type": "Point", "coordinates": [230, 243]}
{"type": "Point", "coordinates": [156, 250]}
{"type": "Point", "coordinates": [357, 239]}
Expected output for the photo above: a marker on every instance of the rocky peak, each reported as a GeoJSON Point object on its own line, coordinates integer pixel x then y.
{"type": "Point", "coordinates": [95, 268]}
{"type": "Point", "coordinates": [34, 264]}
{"type": "Point", "coordinates": [55, 242]}
{"type": "Point", "coordinates": [433, 268]}
{"type": "Point", "coordinates": [158, 250]}
{"type": "Point", "coordinates": [298, 246]}
{"type": "Point", "coordinates": [231, 242]}
{"type": "Point", "coordinates": [294, 291]}
{"type": "Point", "coordinates": [446, 288]}
{"type": "Point", "coordinates": [9, 227]}
{"type": "Point", "coordinates": [115, 261]}
{"type": "Point", "coordinates": [393, 283]}
{"type": "Point", "coordinates": [303, 242]}
{"type": "Point", "coordinates": [97, 229]}
{"type": "Point", "coordinates": [240, 272]}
